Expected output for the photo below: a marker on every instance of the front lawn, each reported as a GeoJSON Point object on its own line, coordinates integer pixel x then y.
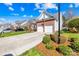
{"type": "Point", "coordinates": [32, 52]}
{"type": "Point", "coordinates": [12, 33]}
{"type": "Point", "coordinates": [71, 35]}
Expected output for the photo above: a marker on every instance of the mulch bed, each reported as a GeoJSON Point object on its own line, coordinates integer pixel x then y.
{"type": "Point", "coordinates": [42, 49]}
{"type": "Point", "coordinates": [46, 52]}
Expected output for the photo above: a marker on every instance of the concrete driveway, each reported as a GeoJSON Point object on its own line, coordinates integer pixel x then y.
{"type": "Point", "coordinates": [19, 43]}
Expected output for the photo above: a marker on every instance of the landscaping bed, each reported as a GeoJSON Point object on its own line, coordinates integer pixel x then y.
{"type": "Point", "coordinates": [69, 46]}
{"type": "Point", "coordinates": [51, 48]}
{"type": "Point", "coordinates": [32, 52]}
{"type": "Point", "coordinates": [48, 52]}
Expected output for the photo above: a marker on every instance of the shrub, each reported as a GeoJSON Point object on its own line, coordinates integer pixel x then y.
{"type": "Point", "coordinates": [73, 39]}
{"type": "Point", "coordinates": [74, 23]}
{"type": "Point", "coordinates": [61, 31]}
{"type": "Point", "coordinates": [64, 30]}
{"type": "Point", "coordinates": [49, 46]}
{"type": "Point", "coordinates": [73, 30]}
{"type": "Point", "coordinates": [65, 50]}
{"type": "Point", "coordinates": [46, 39]}
{"type": "Point", "coordinates": [75, 46]}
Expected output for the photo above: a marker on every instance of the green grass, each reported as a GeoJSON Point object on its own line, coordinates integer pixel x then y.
{"type": "Point", "coordinates": [71, 35]}
{"type": "Point", "coordinates": [32, 52]}
{"type": "Point", "coordinates": [12, 33]}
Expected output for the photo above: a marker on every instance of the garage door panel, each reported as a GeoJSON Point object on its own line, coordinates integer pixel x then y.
{"type": "Point", "coordinates": [48, 29]}
{"type": "Point", "coordinates": [40, 29]}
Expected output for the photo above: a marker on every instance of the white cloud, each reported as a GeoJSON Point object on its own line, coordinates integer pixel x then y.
{"type": "Point", "coordinates": [22, 9]}
{"type": "Point", "coordinates": [77, 5]}
{"type": "Point", "coordinates": [10, 8]}
{"type": "Point", "coordinates": [31, 15]}
{"type": "Point", "coordinates": [2, 19]}
{"type": "Point", "coordinates": [49, 6]}
{"type": "Point", "coordinates": [71, 5]}
{"type": "Point", "coordinates": [45, 6]}
{"type": "Point", "coordinates": [8, 4]}
{"type": "Point", "coordinates": [37, 5]}
{"type": "Point", "coordinates": [40, 10]}
{"type": "Point", "coordinates": [24, 15]}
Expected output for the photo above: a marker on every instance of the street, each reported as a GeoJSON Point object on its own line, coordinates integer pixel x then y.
{"type": "Point", "coordinates": [18, 44]}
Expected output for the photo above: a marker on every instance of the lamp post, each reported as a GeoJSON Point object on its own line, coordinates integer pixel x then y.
{"type": "Point", "coordinates": [58, 23]}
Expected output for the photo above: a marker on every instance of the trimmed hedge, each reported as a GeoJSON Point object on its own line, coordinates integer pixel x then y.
{"type": "Point", "coordinates": [46, 39]}
{"type": "Point", "coordinates": [75, 46]}
{"type": "Point", "coordinates": [65, 50]}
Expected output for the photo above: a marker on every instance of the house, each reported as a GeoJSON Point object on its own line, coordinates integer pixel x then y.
{"type": "Point", "coordinates": [47, 23]}
{"type": "Point", "coordinates": [29, 25]}
{"type": "Point", "coordinates": [5, 27]}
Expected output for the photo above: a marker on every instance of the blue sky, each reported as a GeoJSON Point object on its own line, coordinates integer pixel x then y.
{"type": "Point", "coordinates": [10, 12]}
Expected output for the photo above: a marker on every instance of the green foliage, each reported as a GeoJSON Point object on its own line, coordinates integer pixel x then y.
{"type": "Point", "coordinates": [73, 40]}
{"type": "Point", "coordinates": [75, 46]}
{"type": "Point", "coordinates": [32, 52]}
{"type": "Point", "coordinates": [49, 46]}
{"type": "Point", "coordinates": [12, 33]}
{"type": "Point", "coordinates": [61, 32]}
{"type": "Point", "coordinates": [65, 50]}
{"type": "Point", "coordinates": [46, 39]}
{"type": "Point", "coordinates": [74, 23]}
{"type": "Point", "coordinates": [71, 35]}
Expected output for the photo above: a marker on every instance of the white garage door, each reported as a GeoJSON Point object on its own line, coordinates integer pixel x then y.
{"type": "Point", "coordinates": [40, 29]}
{"type": "Point", "coordinates": [49, 29]}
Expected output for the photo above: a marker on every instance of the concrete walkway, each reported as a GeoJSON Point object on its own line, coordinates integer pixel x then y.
{"type": "Point", "coordinates": [19, 43]}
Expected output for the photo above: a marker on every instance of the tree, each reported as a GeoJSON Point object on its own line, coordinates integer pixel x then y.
{"type": "Point", "coordinates": [74, 23]}
{"type": "Point", "coordinates": [64, 20]}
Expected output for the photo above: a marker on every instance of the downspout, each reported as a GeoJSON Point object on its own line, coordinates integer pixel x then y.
{"type": "Point", "coordinates": [43, 22]}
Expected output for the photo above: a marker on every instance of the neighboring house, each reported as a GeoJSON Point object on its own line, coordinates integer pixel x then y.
{"type": "Point", "coordinates": [29, 25]}
{"type": "Point", "coordinates": [5, 28]}
{"type": "Point", "coordinates": [47, 23]}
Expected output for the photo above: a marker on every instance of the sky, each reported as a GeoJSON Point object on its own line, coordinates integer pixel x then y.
{"type": "Point", "coordinates": [11, 12]}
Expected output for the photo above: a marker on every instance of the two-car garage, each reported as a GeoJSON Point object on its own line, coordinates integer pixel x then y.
{"type": "Point", "coordinates": [46, 29]}
{"type": "Point", "coordinates": [46, 26]}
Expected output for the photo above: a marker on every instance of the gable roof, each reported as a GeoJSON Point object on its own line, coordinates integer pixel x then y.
{"type": "Point", "coordinates": [44, 15]}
